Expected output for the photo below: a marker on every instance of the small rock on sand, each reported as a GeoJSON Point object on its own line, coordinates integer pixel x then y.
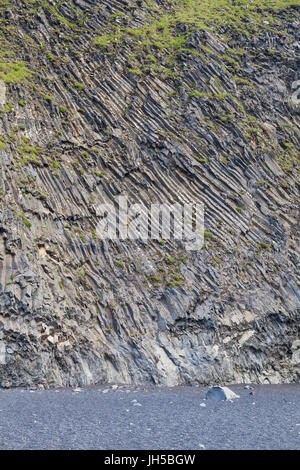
{"type": "Point", "coordinates": [220, 393]}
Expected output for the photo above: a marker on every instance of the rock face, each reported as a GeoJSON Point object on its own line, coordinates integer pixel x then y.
{"type": "Point", "coordinates": [92, 107]}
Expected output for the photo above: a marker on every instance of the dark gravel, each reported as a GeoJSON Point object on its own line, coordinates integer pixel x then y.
{"type": "Point", "coordinates": [168, 418]}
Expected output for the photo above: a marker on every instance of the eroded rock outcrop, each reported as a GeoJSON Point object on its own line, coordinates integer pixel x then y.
{"type": "Point", "coordinates": [91, 111]}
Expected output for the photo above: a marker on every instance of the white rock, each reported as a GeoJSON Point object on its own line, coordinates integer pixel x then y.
{"type": "Point", "coordinates": [202, 404]}
{"type": "Point", "coordinates": [220, 393]}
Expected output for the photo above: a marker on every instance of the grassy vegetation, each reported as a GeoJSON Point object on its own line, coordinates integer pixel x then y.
{"type": "Point", "coordinates": [29, 153]}
{"type": "Point", "coordinates": [14, 72]}
{"type": "Point", "coordinates": [27, 223]}
{"type": "Point", "coordinates": [161, 31]}
{"type": "Point", "coordinates": [47, 6]}
{"type": "Point", "coordinates": [120, 264]}
{"type": "Point", "coordinates": [170, 260]}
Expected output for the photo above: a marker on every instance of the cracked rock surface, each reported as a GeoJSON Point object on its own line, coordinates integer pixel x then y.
{"type": "Point", "coordinates": [89, 111]}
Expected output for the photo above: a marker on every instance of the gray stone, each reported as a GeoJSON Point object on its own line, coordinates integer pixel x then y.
{"type": "Point", "coordinates": [220, 394]}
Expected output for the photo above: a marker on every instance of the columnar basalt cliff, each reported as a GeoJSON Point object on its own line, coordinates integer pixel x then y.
{"type": "Point", "coordinates": [162, 101]}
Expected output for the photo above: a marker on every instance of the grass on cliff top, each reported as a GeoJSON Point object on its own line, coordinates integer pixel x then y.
{"type": "Point", "coordinates": [198, 14]}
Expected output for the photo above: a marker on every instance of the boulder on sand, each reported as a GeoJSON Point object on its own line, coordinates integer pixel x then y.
{"type": "Point", "coordinates": [220, 393]}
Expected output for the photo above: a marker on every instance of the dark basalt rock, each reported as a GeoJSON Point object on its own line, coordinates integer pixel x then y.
{"type": "Point", "coordinates": [76, 310]}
